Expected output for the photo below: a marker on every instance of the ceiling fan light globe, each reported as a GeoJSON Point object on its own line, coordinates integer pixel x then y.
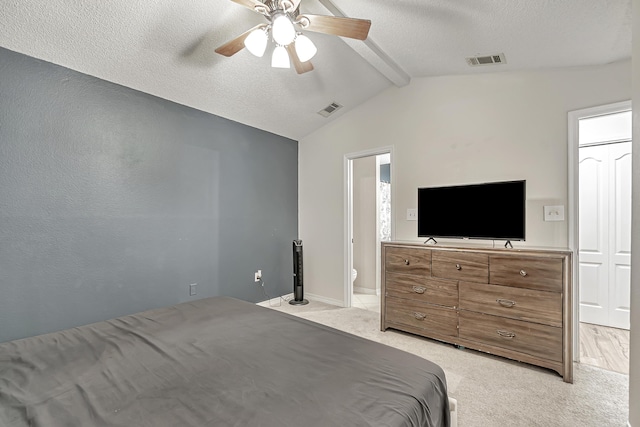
{"type": "Point", "coordinates": [282, 30]}
{"type": "Point", "coordinates": [305, 48]}
{"type": "Point", "coordinates": [280, 58]}
{"type": "Point", "coordinates": [256, 42]}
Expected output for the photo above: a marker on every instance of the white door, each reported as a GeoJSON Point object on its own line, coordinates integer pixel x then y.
{"type": "Point", "coordinates": [605, 234]}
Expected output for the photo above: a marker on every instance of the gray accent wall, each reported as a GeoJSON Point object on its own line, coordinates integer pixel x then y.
{"type": "Point", "coordinates": [113, 201]}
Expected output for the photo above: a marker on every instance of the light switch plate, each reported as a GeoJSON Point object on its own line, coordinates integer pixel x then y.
{"type": "Point", "coordinates": [554, 213]}
{"type": "Point", "coordinates": [412, 214]}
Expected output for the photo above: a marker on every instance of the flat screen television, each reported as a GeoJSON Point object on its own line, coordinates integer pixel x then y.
{"type": "Point", "coordinates": [492, 211]}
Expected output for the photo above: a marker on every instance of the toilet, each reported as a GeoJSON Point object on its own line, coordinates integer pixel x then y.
{"type": "Point", "coordinates": [354, 274]}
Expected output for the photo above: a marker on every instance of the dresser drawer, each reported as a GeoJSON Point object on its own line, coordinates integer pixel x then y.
{"type": "Point", "coordinates": [516, 303]}
{"type": "Point", "coordinates": [544, 274]}
{"type": "Point", "coordinates": [433, 319]}
{"type": "Point", "coordinates": [470, 267]}
{"type": "Point", "coordinates": [531, 338]}
{"type": "Point", "coordinates": [408, 261]}
{"type": "Point", "coordinates": [424, 289]}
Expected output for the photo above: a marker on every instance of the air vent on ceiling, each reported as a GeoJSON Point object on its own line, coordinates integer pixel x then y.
{"type": "Point", "coordinates": [487, 60]}
{"type": "Point", "coordinates": [330, 109]}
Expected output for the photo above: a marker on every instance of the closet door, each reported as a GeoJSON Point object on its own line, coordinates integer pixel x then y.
{"type": "Point", "coordinates": [605, 234]}
{"type": "Point", "coordinates": [619, 235]}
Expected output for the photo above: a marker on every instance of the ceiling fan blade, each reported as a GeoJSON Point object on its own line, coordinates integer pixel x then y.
{"type": "Point", "coordinates": [338, 26]}
{"type": "Point", "coordinates": [251, 4]}
{"type": "Point", "coordinates": [301, 67]}
{"type": "Point", "coordinates": [234, 46]}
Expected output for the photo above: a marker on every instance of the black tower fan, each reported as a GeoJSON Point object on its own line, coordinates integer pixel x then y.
{"type": "Point", "coordinates": [298, 289]}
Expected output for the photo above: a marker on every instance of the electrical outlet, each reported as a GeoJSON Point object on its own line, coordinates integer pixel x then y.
{"type": "Point", "coordinates": [257, 276]}
{"type": "Point", "coordinates": [412, 214]}
{"type": "Point", "coordinates": [192, 289]}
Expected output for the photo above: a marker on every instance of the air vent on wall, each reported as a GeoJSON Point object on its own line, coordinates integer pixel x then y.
{"type": "Point", "coordinates": [330, 109]}
{"type": "Point", "coordinates": [487, 60]}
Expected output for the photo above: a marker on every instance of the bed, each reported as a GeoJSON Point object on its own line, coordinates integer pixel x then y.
{"type": "Point", "coordinates": [215, 362]}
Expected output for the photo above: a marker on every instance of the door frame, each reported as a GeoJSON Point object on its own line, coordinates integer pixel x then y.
{"type": "Point", "coordinates": [348, 213]}
{"type": "Point", "coordinates": [574, 202]}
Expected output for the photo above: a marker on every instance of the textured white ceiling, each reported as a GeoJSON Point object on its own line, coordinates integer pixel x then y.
{"type": "Point", "coordinates": [166, 48]}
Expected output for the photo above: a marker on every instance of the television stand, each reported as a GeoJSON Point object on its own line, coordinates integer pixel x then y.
{"type": "Point", "coordinates": [508, 245]}
{"type": "Point", "coordinates": [430, 239]}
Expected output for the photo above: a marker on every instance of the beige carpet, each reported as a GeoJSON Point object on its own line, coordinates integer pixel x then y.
{"type": "Point", "coordinates": [493, 391]}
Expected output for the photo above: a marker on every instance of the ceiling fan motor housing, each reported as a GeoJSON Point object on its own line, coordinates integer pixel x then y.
{"type": "Point", "coordinates": [285, 7]}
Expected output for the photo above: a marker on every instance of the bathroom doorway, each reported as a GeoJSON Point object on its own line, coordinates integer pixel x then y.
{"type": "Point", "coordinates": [370, 220]}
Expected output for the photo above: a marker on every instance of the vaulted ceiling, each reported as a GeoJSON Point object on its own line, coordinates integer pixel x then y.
{"type": "Point", "coordinates": [166, 48]}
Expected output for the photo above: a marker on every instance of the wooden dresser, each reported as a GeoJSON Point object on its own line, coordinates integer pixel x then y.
{"type": "Point", "coordinates": [514, 303]}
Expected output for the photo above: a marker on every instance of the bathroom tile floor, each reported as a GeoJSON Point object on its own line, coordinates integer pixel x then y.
{"type": "Point", "coordinates": [366, 302]}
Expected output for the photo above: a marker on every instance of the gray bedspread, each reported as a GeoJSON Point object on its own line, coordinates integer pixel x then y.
{"type": "Point", "coordinates": [215, 362]}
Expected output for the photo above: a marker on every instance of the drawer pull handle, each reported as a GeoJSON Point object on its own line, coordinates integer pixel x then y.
{"type": "Point", "coordinates": [419, 316]}
{"type": "Point", "coordinates": [506, 334]}
{"type": "Point", "coordinates": [458, 267]}
{"type": "Point", "coordinates": [506, 302]}
{"type": "Point", "coordinates": [523, 273]}
{"type": "Point", "coordinates": [419, 289]}
{"type": "Point", "coordinates": [406, 262]}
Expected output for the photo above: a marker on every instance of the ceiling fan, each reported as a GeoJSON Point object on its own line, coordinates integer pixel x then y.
{"type": "Point", "coordinates": [285, 23]}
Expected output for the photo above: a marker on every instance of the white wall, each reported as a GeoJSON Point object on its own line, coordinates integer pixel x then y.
{"type": "Point", "coordinates": [364, 223]}
{"type": "Point", "coordinates": [634, 352]}
{"type": "Point", "coordinates": [450, 130]}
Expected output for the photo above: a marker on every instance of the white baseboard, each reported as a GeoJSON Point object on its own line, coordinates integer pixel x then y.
{"type": "Point", "coordinates": [453, 411]}
{"type": "Point", "coordinates": [367, 291]}
{"type": "Point", "coordinates": [274, 301]}
{"type": "Point", "coordinates": [325, 300]}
